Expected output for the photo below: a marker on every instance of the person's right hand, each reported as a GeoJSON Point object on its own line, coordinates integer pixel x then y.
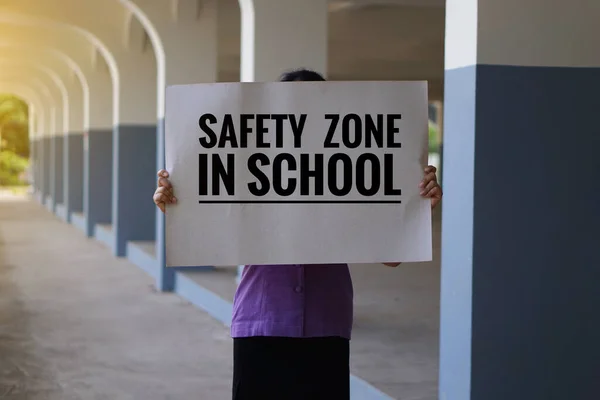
{"type": "Point", "coordinates": [164, 191]}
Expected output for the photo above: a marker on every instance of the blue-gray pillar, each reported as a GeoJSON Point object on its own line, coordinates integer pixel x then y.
{"type": "Point", "coordinates": [37, 165]}
{"type": "Point", "coordinates": [520, 301]}
{"type": "Point", "coordinates": [41, 173]}
{"type": "Point", "coordinates": [97, 178]}
{"type": "Point", "coordinates": [134, 181]}
{"type": "Point", "coordinates": [165, 281]}
{"type": "Point", "coordinates": [57, 171]}
{"type": "Point", "coordinates": [33, 164]}
{"type": "Point", "coordinates": [47, 169]}
{"type": "Point", "coordinates": [41, 148]}
{"type": "Point", "coordinates": [166, 276]}
{"type": "Point", "coordinates": [73, 174]}
{"type": "Point", "coordinates": [51, 199]}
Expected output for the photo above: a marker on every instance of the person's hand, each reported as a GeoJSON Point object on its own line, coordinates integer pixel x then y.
{"type": "Point", "coordinates": [164, 191]}
{"type": "Point", "coordinates": [429, 186]}
{"type": "Point", "coordinates": [429, 189]}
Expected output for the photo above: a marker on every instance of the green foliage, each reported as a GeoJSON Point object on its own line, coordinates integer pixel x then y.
{"type": "Point", "coordinates": [12, 168]}
{"type": "Point", "coordinates": [14, 140]}
{"type": "Point", "coordinates": [434, 145]}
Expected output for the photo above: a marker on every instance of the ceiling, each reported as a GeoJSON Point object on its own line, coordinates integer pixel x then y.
{"type": "Point", "coordinates": [368, 40]}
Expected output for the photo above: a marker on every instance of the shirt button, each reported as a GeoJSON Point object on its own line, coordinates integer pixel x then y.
{"type": "Point", "coordinates": [298, 289]}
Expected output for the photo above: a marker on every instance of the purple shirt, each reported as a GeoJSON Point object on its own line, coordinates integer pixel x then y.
{"type": "Point", "coordinates": [293, 301]}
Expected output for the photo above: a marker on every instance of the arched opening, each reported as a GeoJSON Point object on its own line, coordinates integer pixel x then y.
{"type": "Point", "coordinates": [14, 141]}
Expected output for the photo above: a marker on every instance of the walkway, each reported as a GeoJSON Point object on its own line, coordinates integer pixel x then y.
{"type": "Point", "coordinates": [76, 323]}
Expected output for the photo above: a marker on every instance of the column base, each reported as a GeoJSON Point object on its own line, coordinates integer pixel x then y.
{"type": "Point", "coordinates": [79, 221]}
{"type": "Point", "coordinates": [61, 211]}
{"type": "Point", "coordinates": [49, 203]}
{"type": "Point", "coordinates": [104, 233]}
{"type": "Point", "coordinates": [143, 254]}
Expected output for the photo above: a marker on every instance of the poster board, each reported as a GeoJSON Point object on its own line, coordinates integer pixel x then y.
{"type": "Point", "coordinates": [297, 173]}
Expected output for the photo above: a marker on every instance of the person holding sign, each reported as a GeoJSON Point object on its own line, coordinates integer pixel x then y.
{"type": "Point", "coordinates": [292, 324]}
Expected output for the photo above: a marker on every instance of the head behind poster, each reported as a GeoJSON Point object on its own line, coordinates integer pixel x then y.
{"type": "Point", "coordinates": [301, 75]}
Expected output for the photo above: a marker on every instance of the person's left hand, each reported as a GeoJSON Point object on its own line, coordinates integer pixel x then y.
{"type": "Point", "coordinates": [429, 186]}
{"type": "Point", "coordinates": [430, 189]}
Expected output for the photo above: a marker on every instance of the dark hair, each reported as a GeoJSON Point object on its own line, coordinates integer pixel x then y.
{"type": "Point", "coordinates": [301, 75]}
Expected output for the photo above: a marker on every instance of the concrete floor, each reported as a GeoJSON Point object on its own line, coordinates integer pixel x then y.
{"type": "Point", "coordinates": [76, 323]}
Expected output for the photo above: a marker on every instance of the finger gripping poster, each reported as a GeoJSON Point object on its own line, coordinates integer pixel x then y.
{"type": "Point", "coordinates": [297, 173]}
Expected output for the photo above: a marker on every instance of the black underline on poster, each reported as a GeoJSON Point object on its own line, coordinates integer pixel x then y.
{"type": "Point", "coordinates": [299, 201]}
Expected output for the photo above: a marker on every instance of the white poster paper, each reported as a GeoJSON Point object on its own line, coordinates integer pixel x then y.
{"type": "Point", "coordinates": [297, 173]}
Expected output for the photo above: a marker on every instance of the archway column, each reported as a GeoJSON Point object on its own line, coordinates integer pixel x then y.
{"type": "Point", "coordinates": [44, 153]}
{"type": "Point", "coordinates": [134, 153]}
{"type": "Point", "coordinates": [73, 148]}
{"type": "Point", "coordinates": [282, 35]}
{"type": "Point", "coordinates": [519, 301]}
{"type": "Point", "coordinates": [97, 141]}
{"type": "Point", "coordinates": [53, 147]}
{"type": "Point", "coordinates": [48, 127]}
{"type": "Point", "coordinates": [48, 155]}
{"type": "Point", "coordinates": [33, 136]}
{"type": "Point", "coordinates": [184, 40]}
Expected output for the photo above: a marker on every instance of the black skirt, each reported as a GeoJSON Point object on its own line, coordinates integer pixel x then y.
{"type": "Point", "coordinates": [281, 368]}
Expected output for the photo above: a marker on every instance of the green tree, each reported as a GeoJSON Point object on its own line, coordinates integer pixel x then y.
{"type": "Point", "coordinates": [12, 168]}
{"type": "Point", "coordinates": [14, 139]}
{"type": "Point", "coordinates": [434, 146]}
{"type": "Point", "coordinates": [14, 125]}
